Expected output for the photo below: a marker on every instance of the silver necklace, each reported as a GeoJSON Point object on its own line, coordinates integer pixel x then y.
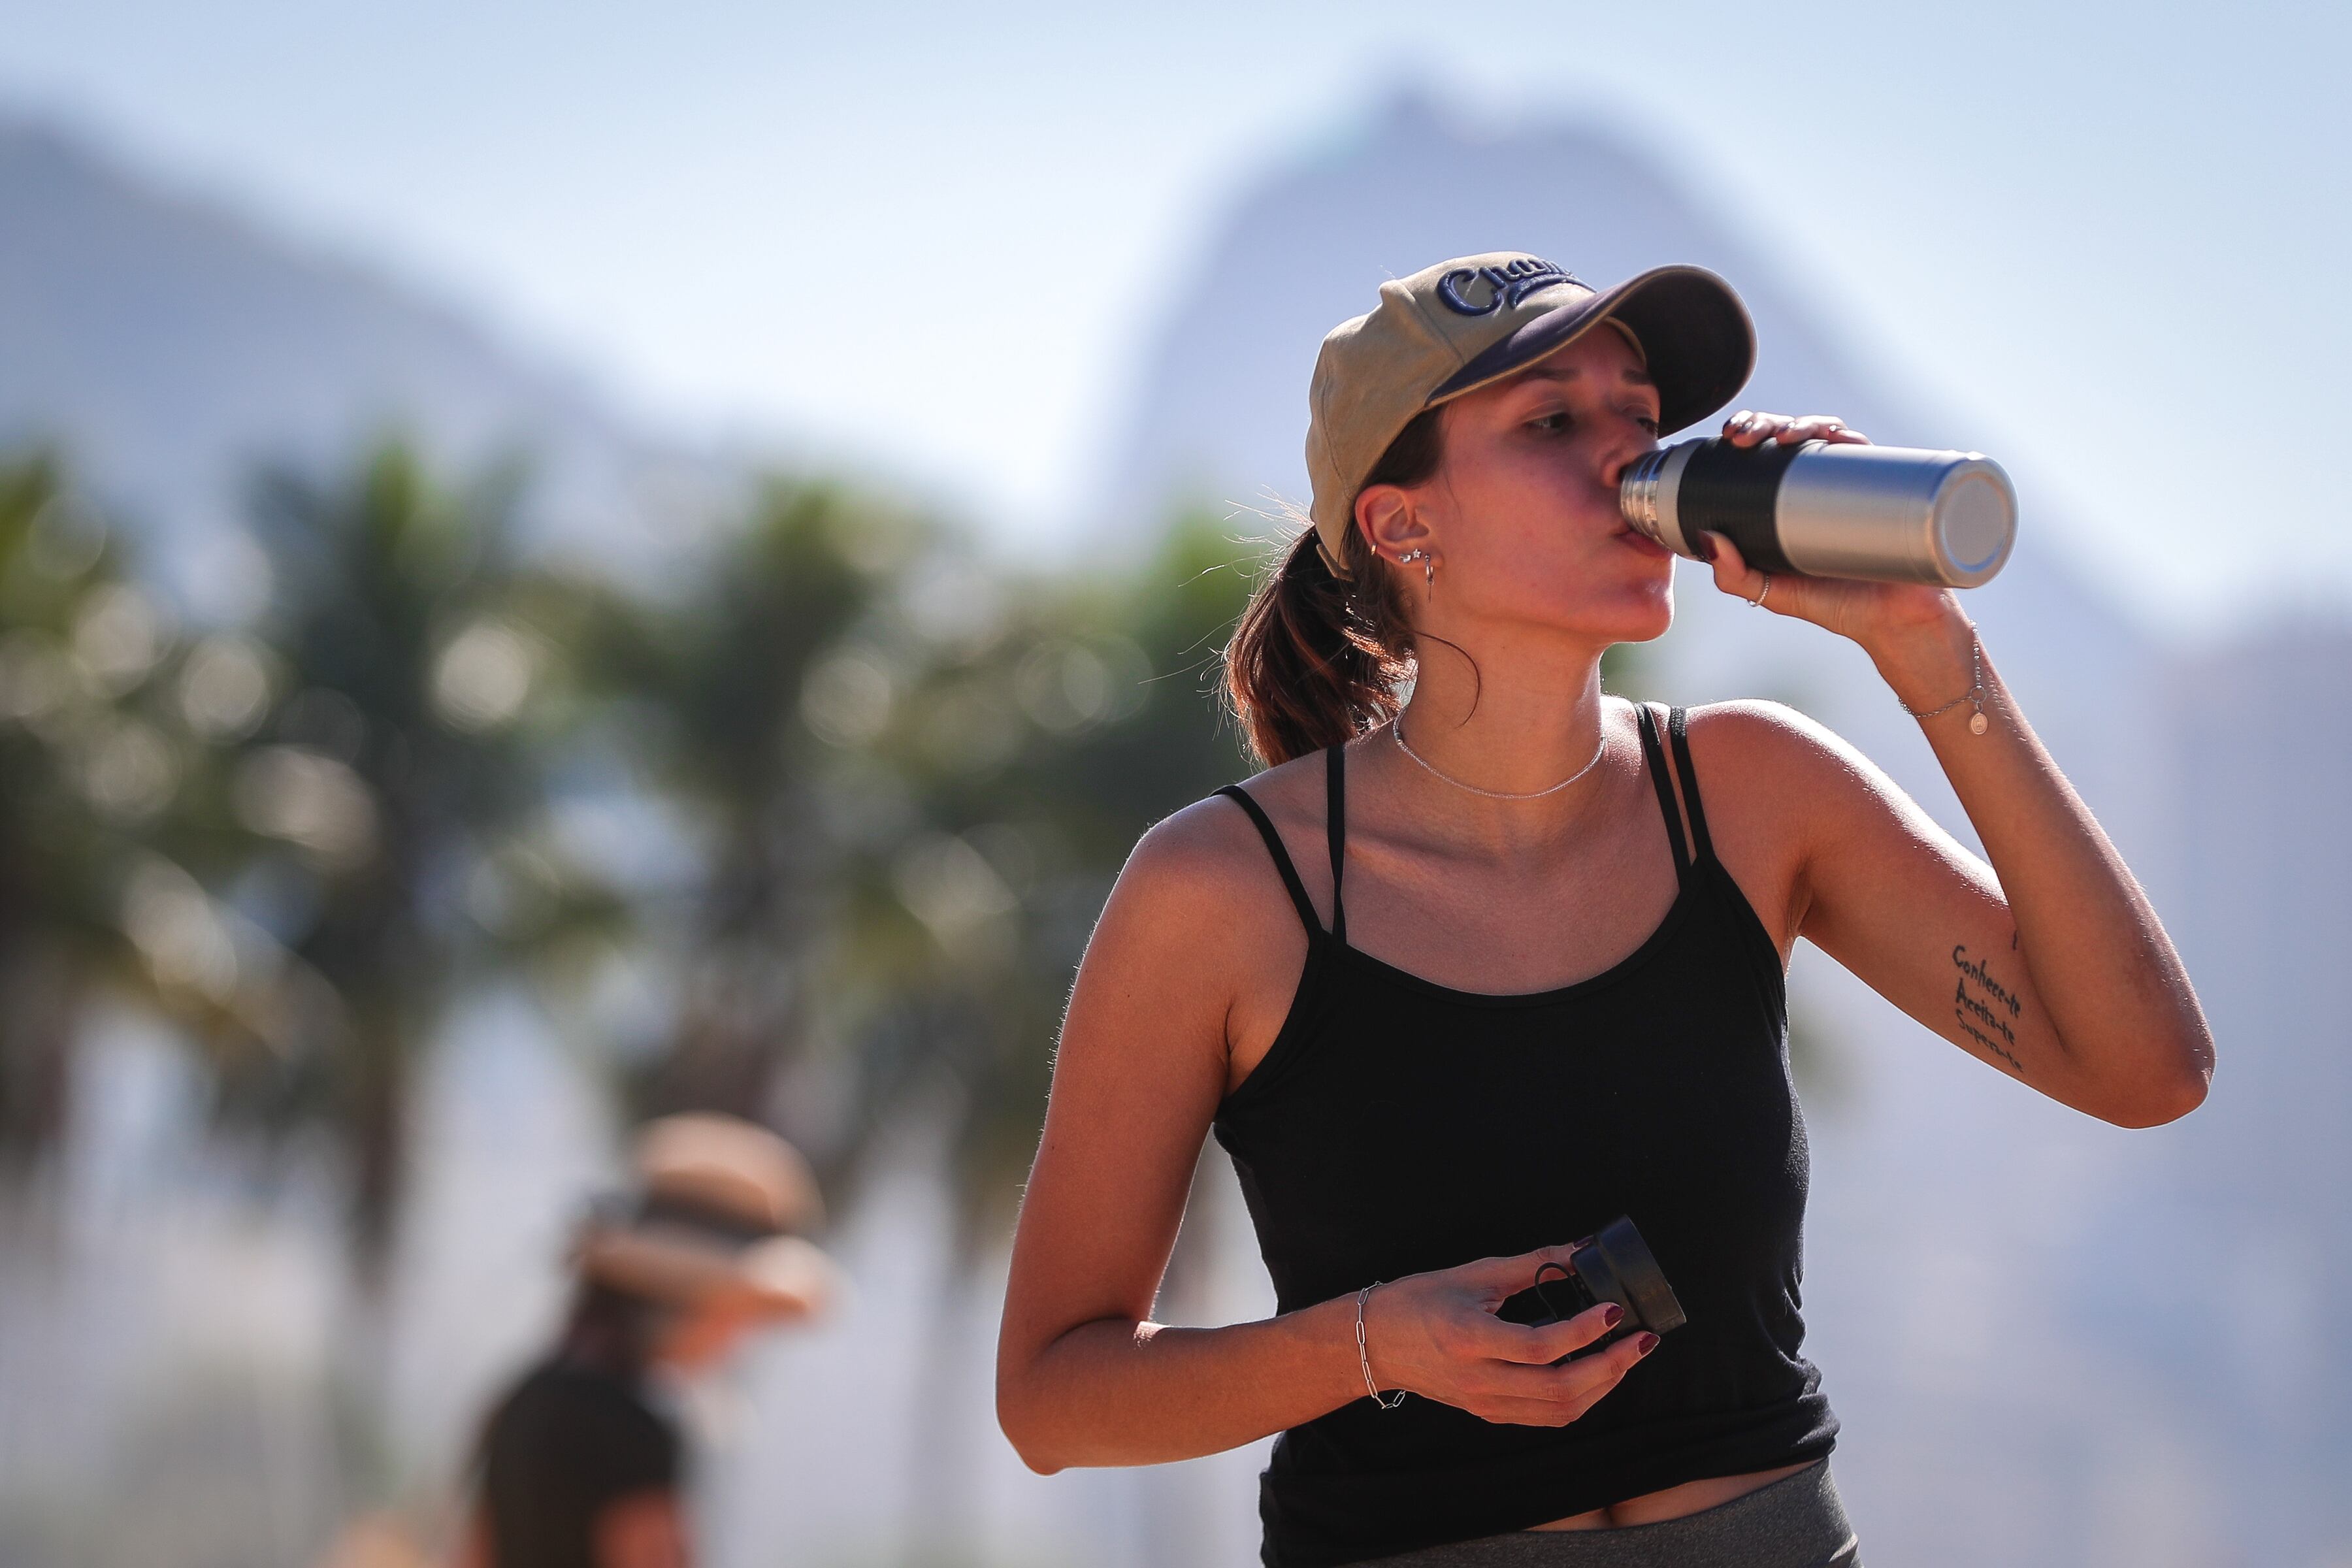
{"type": "Point", "coordinates": [1396, 731]}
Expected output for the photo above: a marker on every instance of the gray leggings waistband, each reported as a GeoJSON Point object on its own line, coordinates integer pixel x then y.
{"type": "Point", "coordinates": [1796, 1521]}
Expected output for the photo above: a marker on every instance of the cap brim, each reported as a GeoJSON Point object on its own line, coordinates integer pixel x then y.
{"type": "Point", "coordinates": [783, 1278]}
{"type": "Point", "coordinates": [1695, 335]}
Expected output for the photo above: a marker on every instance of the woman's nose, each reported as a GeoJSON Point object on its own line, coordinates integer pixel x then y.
{"type": "Point", "coordinates": [1625, 453]}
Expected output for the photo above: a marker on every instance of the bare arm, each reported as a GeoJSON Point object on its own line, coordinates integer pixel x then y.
{"type": "Point", "coordinates": [1084, 1376]}
{"type": "Point", "coordinates": [2050, 963]}
{"type": "Point", "coordinates": [2085, 999]}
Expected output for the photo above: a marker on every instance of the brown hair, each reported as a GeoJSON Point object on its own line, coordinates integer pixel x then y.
{"type": "Point", "coordinates": [1315, 660]}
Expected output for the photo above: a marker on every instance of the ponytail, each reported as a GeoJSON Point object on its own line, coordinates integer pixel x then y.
{"type": "Point", "coordinates": [1317, 660]}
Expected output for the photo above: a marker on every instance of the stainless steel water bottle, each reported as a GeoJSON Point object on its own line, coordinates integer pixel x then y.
{"type": "Point", "coordinates": [1894, 514]}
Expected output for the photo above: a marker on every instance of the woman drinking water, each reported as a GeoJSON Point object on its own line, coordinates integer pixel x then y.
{"type": "Point", "coordinates": [1485, 958]}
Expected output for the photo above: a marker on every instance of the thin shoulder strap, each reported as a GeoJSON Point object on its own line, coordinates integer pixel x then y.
{"type": "Point", "coordinates": [1334, 817]}
{"type": "Point", "coordinates": [1675, 727]}
{"type": "Point", "coordinates": [1281, 856]}
{"type": "Point", "coordinates": [1656, 757]}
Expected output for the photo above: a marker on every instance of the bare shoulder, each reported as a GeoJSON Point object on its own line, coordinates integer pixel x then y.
{"type": "Point", "coordinates": [1792, 779]}
{"type": "Point", "coordinates": [1782, 790]}
{"type": "Point", "coordinates": [1771, 748]}
{"type": "Point", "coordinates": [1199, 944]}
{"type": "Point", "coordinates": [1205, 869]}
{"type": "Point", "coordinates": [1198, 852]}
{"type": "Point", "coordinates": [1213, 832]}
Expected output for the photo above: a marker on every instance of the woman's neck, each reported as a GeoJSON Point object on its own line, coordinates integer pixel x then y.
{"type": "Point", "coordinates": [1526, 728]}
{"type": "Point", "coordinates": [1513, 724]}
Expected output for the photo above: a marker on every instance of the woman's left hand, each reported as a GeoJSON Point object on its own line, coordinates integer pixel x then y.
{"type": "Point", "coordinates": [1856, 609]}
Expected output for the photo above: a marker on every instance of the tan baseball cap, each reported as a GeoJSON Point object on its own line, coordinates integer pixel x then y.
{"type": "Point", "coordinates": [1462, 324]}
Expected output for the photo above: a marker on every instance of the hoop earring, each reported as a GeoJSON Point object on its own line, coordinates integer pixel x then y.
{"type": "Point", "coordinates": [1428, 565]}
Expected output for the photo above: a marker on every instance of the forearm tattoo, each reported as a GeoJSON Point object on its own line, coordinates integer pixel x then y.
{"type": "Point", "coordinates": [1986, 1013]}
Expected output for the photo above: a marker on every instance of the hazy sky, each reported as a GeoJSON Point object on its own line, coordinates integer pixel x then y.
{"type": "Point", "coordinates": [933, 237]}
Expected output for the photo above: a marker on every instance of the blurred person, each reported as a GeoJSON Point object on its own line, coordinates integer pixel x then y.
{"type": "Point", "coordinates": [580, 1466]}
{"type": "Point", "coordinates": [1554, 990]}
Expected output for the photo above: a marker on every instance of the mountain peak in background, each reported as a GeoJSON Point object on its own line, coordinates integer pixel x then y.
{"type": "Point", "coordinates": [164, 344]}
{"type": "Point", "coordinates": [1220, 406]}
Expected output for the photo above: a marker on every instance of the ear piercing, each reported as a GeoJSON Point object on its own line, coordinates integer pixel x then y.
{"type": "Point", "coordinates": [1428, 566]}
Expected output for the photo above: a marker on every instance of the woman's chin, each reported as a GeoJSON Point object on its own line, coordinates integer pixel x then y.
{"type": "Point", "coordinates": [1645, 621]}
{"type": "Point", "coordinates": [1649, 610]}
{"type": "Point", "coordinates": [1649, 628]}
{"type": "Point", "coordinates": [1626, 606]}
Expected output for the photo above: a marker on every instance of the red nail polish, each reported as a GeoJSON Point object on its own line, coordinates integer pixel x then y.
{"type": "Point", "coordinates": [1645, 1344]}
{"type": "Point", "coordinates": [1614, 1315]}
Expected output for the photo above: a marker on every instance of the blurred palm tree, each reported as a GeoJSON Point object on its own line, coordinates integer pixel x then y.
{"type": "Point", "coordinates": [400, 778]}
{"type": "Point", "coordinates": [112, 725]}
{"type": "Point", "coordinates": [712, 691]}
{"type": "Point", "coordinates": [912, 779]}
{"type": "Point", "coordinates": [78, 773]}
{"type": "Point", "coordinates": [1104, 715]}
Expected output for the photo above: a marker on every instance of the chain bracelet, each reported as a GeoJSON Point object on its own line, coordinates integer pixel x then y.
{"type": "Point", "coordinates": [1974, 695]}
{"type": "Point", "coordinates": [1363, 1358]}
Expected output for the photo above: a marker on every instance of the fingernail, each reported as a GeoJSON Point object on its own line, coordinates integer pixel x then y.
{"type": "Point", "coordinates": [1613, 1316]}
{"type": "Point", "coordinates": [1644, 1344]}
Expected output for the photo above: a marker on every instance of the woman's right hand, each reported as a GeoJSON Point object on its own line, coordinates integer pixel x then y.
{"type": "Point", "coordinates": [1436, 1334]}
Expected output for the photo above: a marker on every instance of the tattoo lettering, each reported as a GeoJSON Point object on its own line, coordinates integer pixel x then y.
{"type": "Point", "coordinates": [1982, 1018]}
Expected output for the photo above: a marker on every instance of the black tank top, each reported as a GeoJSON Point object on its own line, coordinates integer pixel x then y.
{"type": "Point", "coordinates": [1397, 1125]}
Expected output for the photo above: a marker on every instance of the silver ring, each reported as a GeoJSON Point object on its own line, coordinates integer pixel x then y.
{"type": "Point", "coordinates": [1757, 602]}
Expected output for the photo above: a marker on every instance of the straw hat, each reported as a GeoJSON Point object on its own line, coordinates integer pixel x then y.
{"type": "Point", "coordinates": [719, 1211]}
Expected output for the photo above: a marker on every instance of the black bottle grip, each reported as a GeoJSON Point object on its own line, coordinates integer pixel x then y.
{"type": "Point", "coordinates": [1733, 490]}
